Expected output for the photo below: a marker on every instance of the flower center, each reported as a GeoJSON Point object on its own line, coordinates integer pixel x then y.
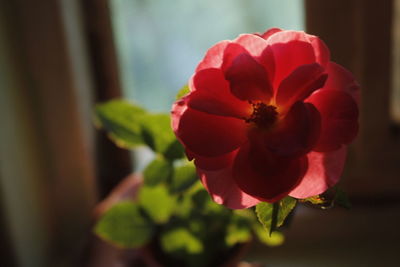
{"type": "Point", "coordinates": [263, 115]}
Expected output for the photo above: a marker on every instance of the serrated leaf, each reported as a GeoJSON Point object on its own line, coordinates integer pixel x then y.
{"type": "Point", "coordinates": [158, 171]}
{"type": "Point", "coordinates": [175, 150]}
{"type": "Point", "coordinates": [180, 240]}
{"type": "Point", "coordinates": [183, 91]}
{"type": "Point", "coordinates": [121, 120]}
{"type": "Point", "coordinates": [157, 203]}
{"type": "Point", "coordinates": [125, 226]}
{"type": "Point", "coordinates": [273, 240]}
{"type": "Point", "coordinates": [157, 132]}
{"type": "Point", "coordinates": [273, 215]}
{"type": "Point", "coordinates": [184, 177]}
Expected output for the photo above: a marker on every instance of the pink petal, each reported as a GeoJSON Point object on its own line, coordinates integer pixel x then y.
{"type": "Point", "coordinates": [264, 176]}
{"type": "Point", "coordinates": [205, 134]}
{"type": "Point", "coordinates": [300, 84]}
{"type": "Point", "coordinates": [270, 32]}
{"type": "Point", "coordinates": [321, 51]}
{"type": "Point", "coordinates": [341, 79]}
{"type": "Point", "coordinates": [254, 44]}
{"type": "Point", "coordinates": [339, 118]}
{"type": "Point", "coordinates": [297, 133]}
{"type": "Point", "coordinates": [324, 171]}
{"type": "Point", "coordinates": [214, 56]}
{"type": "Point", "coordinates": [291, 49]}
{"type": "Point", "coordinates": [212, 95]}
{"type": "Point", "coordinates": [248, 79]}
{"type": "Point", "coordinates": [231, 52]}
{"type": "Point", "coordinates": [223, 189]}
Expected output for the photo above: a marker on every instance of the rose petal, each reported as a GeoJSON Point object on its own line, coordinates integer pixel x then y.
{"type": "Point", "coordinates": [297, 133]}
{"type": "Point", "coordinates": [270, 32]}
{"type": "Point", "coordinates": [205, 134]}
{"type": "Point", "coordinates": [231, 52]}
{"type": "Point", "coordinates": [212, 95]}
{"type": "Point", "coordinates": [300, 84]}
{"type": "Point", "coordinates": [223, 189]}
{"type": "Point", "coordinates": [258, 173]}
{"type": "Point", "coordinates": [291, 50]}
{"type": "Point", "coordinates": [321, 51]}
{"type": "Point", "coordinates": [248, 79]}
{"type": "Point", "coordinates": [214, 56]}
{"type": "Point", "coordinates": [339, 118]}
{"type": "Point", "coordinates": [254, 44]}
{"type": "Point", "coordinates": [341, 79]}
{"type": "Point", "coordinates": [214, 163]}
{"type": "Point", "coordinates": [324, 171]}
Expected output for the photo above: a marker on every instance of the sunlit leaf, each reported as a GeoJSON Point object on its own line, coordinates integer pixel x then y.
{"type": "Point", "coordinates": [121, 120]}
{"type": "Point", "coordinates": [181, 240]}
{"type": "Point", "coordinates": [238, 230]}
{"type": "Point", "coordinates": [273, 240]}
{"type": "Point", "coordinates": [273, 215]}
{"type": "Point", "coordinates": [125, 226]}
{"type": "Point", "coordinates": [159, 170]}
{"type": "Point", "coordinates": [157, 203]}
{"type": "Point", "coordinates": [316, 200]}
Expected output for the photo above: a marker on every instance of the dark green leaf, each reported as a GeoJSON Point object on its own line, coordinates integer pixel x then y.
{"type": "Point", "coordinates": [159, 170]}
{"type": "Point", "coordinates": [273, 215]}
{"type": "Point", "coordinates": [184, 177]}
{"type": "Point", "coordinates": [121, 120]}
{"type": "Point", "coordinates": [125, 226]}
{"type": "Point", "coordinates": [157, 203]}
{"type": "Point", "coordinates": [183, 91]}
{"type": "Point", "coordinates": [157, 132]}
{"type": "Point", "coordinates": [341, 199]}
{"type": "Point", "coordinates": [174, 151]}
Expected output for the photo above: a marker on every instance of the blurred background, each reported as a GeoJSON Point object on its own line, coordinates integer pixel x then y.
{"type": "Point", "coordinates": [60, 57]}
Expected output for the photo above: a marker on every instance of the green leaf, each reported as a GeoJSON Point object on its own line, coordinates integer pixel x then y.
{"type": "Point", "coordinates": [157, 132]}
{"type": "Point", "coordinates": [273, 215]}
{"type": "Point", "coordinates": [184, 177]}
{"type": "Point", "coordinates": [181, 240]}
{"type": "Point", "coordinates": [125, 226]}
{"type": "Point", "coordinates": [183, 91]}
{"type": "Point", "coordinates": [121, 120]}
{"type": "Point", "coordinates": [157, 203]}
{"type": "Point", "coordinates": [158, 171]}
{"type": "Point", "coordinates": [342, 199]}
{"type": "Point", "coordinates": [238, 231]}
{"type": "Point", "coordinates": [273, 240]}
{"type": "Point", "coordinates": [174, 150]}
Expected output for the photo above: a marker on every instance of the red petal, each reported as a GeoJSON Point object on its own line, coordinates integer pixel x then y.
{"type": "Point", "coordinates": [223, 189]}
{"type": "Point", "coordinates": [324, 171]}
{"type": "Point", "coordinates": [291, 49]}
{"type": "Point", "coordinates": [258, 173]}
{"type": "Point", "coordinates": [212, 95]}
{"type": "Point", "coordinates": [248, 79]}
{"type": "Point", "coordinates": [341, 79]}
{"type": "Point", "coordinates": [270, 32]}
{"type": "Point", "coordinates": [214, 56]}
{"type": "Point", "coordinates": [300, 84]}
{"type": "Point", "coordinates": [339, 118]}
{"type": "Point", "coordinates": [232, 51]}
{"type": "Point", "coordinates": [254, 44]}
{"type": "Point", "coordinates": [205, 134]}
{"type": "Point", "coordinates": [321, 51]}
{"type": "Point", "coordinates": [297, 133]}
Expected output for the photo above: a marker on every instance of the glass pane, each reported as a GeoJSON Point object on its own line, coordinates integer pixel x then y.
{"type": "Point", "coordinates": [160, 42]}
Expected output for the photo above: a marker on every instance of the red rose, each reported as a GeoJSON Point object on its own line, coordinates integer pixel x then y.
{"type": "Point", "coordinates": [267, 116]}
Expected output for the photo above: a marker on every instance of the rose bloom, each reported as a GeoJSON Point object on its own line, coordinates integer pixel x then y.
{"type": "Point", "coordinates": [267, 116]}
